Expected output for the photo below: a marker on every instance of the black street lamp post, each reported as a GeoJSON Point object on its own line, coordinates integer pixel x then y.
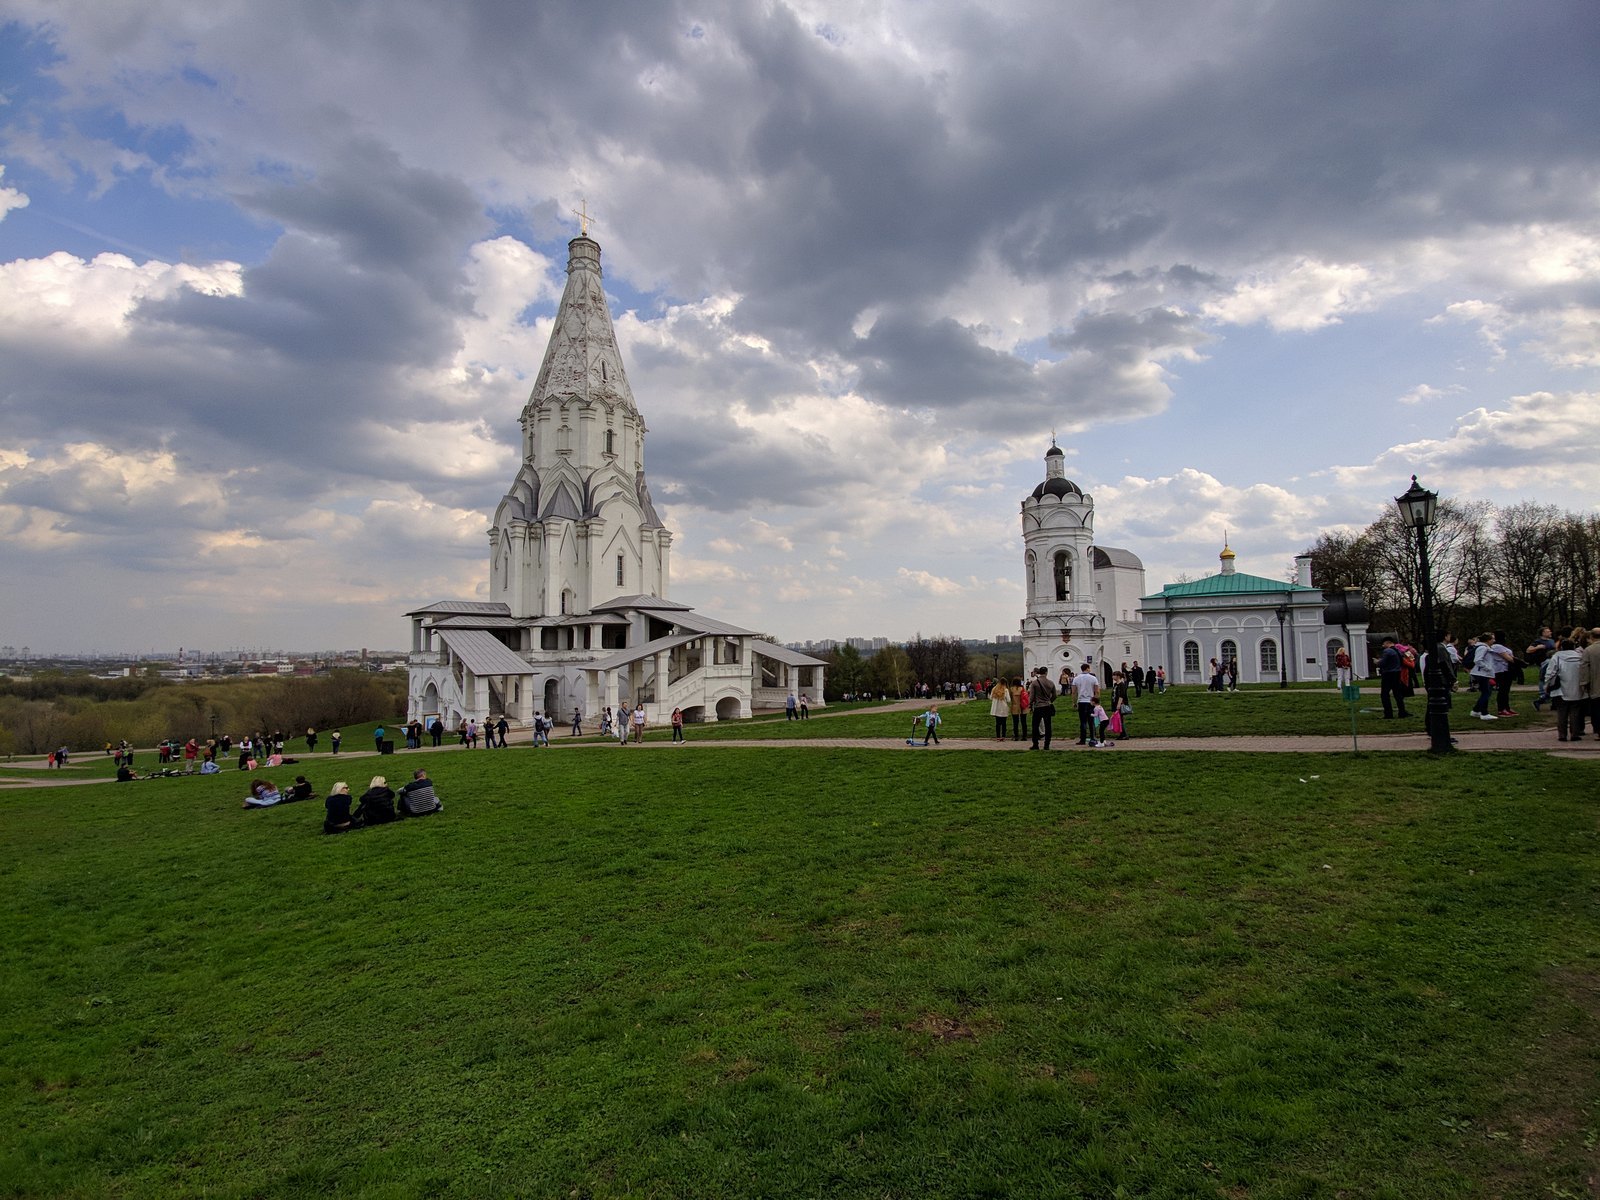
{"type": "Point", "coordinates": [1419, 511]}
{"type": "Point", "coordinates": [1283, 652]}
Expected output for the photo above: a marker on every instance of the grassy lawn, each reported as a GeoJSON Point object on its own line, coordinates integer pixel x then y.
{"type": "Point", "coordinates": [1179, 712]}
{"type": "Point", "coordinates": [789, 972]}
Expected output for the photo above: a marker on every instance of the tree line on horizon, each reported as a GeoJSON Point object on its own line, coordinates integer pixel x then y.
{"type": "Point", "coordinates": [83, 713]}
{"type": "Point", "coordinates": [895, 669]}
{"type": "Point", "coordinates": [1513, 569]}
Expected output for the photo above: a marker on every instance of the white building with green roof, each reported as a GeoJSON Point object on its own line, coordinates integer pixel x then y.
{"type": "Point", "coordinates": [1274, 629]}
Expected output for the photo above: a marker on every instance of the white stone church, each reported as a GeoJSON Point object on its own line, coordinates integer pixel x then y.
{"type": "Point", "coordinates": [1083, 599]}
{"type": "Point", "coordinates": [578, 614]}
{"type": "Point", "coordinates": [1087, 603]}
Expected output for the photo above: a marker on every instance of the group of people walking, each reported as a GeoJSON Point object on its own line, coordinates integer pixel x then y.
{"type": "Point", "coordinates": [1569, 677]}
{"type": "Point", "coordinates": [1030, 708]}
{"type": "Point", "coordinates": [628, 722]}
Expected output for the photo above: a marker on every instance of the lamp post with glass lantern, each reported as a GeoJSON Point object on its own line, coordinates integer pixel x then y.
{"type": "Point", "coordinates": [1283, 658]}
{"type": "Point", "coordinates": [1419, 511]}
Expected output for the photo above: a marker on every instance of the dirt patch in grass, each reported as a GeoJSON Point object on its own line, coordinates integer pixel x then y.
{"type": "Point", "coordinates": [942, 1028]}
{"type": "Point", "coordinates": [1550, 1114]}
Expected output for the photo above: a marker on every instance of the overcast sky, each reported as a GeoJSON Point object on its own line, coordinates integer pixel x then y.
{"type": "Point", "coordinates": [275, 279]}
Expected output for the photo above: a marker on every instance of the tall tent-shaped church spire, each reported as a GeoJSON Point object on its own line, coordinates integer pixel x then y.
{"type": "Point", "coordinates": [577, 617]}
{"type": "Point", "coordinates": [582, 360]}
{"type": "Point", "coordinates": [577, 527]}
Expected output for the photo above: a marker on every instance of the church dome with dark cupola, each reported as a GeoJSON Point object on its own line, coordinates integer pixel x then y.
{"type": "Point", "coordinates": [1055, 482]}
{"type": "Point", "coordinates": [1059, 486]}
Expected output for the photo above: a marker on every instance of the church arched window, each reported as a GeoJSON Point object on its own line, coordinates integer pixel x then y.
{"type": "Point", "coordinates": [1063, 575]}
{"type": "Point", "coordinates": [1033, 572]}
{"type": "Point", "coordinates": [1269, 656]}
{"type": "Point", "coordinates": [1230, 651]}
{"type": "Point", "coordinates": [564, 438]}
{"type": "Point", "coordinates": [611, 441]}
{"type": "Point", "coordinates": [1191, 658]}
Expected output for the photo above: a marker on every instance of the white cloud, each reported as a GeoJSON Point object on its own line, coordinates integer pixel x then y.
{"type": "Point", "coordinates": [1425, 391]}
{"type": "Point", "coordinates": [1539, 442]}
{"type": "Point", "coordinates": [1298, 296]}
{"type": "Point", "coordinates": [10, 198]}
{"type": "Point", "coordinates": [926, 581]}
{"type": "Point", "coordinates": [62, 296]}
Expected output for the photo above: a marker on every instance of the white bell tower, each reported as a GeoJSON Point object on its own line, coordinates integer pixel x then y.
{"type": "Point", "coordinates": [1063, 624]}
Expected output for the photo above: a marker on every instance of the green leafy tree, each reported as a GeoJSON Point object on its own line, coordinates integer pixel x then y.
{"type": "Point", "coordinates": [845, 671]}
{"type": "Point", "coordinates": [889, 672]}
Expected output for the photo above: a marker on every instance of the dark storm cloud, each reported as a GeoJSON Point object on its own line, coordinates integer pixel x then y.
{"type": "Point", "coordinates": [365, 283]}
{"type": "Point", "coordinates": [1102, 372]}
{"type": "Point", "coordinates": [1086, 138]}
{"type": "Point", "coordinates": [730, 469]}
{"type": "Point", "coordinates": [381, 215]}
{"type": "Point", "coordinates": [907, 363]}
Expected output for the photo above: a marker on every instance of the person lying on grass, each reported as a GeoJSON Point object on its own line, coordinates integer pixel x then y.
{"type": "Point", "coordinates": [263, 794]}
{"type": "Point", "coordinates": [417, 798]}
{"type": "Point", "coordinates": [377, 803]}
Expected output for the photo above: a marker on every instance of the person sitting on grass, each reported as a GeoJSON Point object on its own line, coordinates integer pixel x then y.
{"type": "Point", "coordinates": [300, 791]}
{"type": "Point", "coordinates": [377, 803]}
{"type": "Point", "coordinates": [263, 794]}
{"type": "Point", "coordinates": [417, 798]}
{"type": "Point", "coordinates": [125, 773]}
{"type": "Point", "coordinates": [339, 819]}
{"type": "Point", "coordinates": [210, 767]}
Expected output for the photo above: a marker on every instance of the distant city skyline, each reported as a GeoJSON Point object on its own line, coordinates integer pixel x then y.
{"type": "Point", "coordinates": [275, 280]}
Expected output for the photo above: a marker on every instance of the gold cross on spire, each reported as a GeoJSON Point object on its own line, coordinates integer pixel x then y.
{"type": "Point", "coordinates": [583, 218]}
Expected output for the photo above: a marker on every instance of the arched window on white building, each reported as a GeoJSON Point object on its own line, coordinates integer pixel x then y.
{"type": "Point", "coordinates": [1063, 575]}
{"type": "Point", "coordinates": [1269, 656]}
{"type": "Point", "coordinates": [1191, 658]}
{"type": "Point", "coordinates": [1229, 651]}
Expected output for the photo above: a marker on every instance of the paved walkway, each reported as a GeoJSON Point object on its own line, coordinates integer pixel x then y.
{"type": "Point", "coordinates": [1472, 740]}
{"type": "Point", "coordinates": [1522, 739]}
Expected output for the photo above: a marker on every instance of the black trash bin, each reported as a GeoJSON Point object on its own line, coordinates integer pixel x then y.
{"type": "Point", "coordinates": [386, 748]}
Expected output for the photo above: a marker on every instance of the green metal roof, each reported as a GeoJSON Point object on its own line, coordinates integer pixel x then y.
{"type": "Point", "coordinates": [1235, 584]}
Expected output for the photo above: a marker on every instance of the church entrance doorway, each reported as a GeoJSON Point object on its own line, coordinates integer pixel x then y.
{"type": "Point", "coordinates": [552, 695]}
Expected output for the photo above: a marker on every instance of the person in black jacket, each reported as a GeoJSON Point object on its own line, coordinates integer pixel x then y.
{"type": "Point", "coordinates": [376, 806]}
{"type": "Point", "coordinates": [339, 818]}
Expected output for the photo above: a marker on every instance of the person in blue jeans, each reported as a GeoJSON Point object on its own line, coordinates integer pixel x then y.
{"type": "Point", "coordinates": [930, 724]}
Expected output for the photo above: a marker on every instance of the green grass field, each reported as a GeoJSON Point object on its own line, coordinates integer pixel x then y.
{"type": "Point", "coordinates": [1179, 712]}
{"type": "Point", "coordinates": [790, 972]}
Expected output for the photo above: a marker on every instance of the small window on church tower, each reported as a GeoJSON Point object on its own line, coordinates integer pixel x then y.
{"type": "Point", "coordinates": [619, 570]}
{"type": "Point", "coordinates": [611, 441]}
